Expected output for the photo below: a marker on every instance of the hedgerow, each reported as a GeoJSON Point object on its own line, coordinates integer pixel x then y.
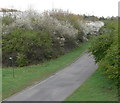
{"type": "Point", "coordinates": [30, 37]}
{"type": "Point", "coordinates": [105, 49]}
{"type": "Point", "coordinates": [33, 38]}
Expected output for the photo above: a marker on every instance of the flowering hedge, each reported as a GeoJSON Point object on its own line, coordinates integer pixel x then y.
{"type": "Point", "coordinates": [33, 38]}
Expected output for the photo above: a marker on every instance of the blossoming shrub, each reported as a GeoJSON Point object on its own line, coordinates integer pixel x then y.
{"type": "Point", "coordinates": [34, 38]}
{"type": "Point", "coordinates": [66, 16]}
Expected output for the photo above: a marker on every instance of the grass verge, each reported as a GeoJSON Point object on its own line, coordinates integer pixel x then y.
{"type": "Point", "coordinates": [26, 76]}
{"type": "Point", "coordinates": [96, 88]}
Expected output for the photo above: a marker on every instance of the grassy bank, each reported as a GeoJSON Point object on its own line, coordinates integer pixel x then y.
{"type": "Point", "coordinates": [27, 76]}
{"type": "Point", "coordinates": [96, 88]}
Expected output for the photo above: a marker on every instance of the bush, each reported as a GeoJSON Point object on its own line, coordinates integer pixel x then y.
{"type": "Point", "coordinates": [105, 50]}
{"type": "Point", "coordinates": [37, 37]}
{"type": "Point", "coordinates": [7, 20]}
{"type": "Point", "coordinates": [110, 62]}
{"type": "Point", "coordinates": [100, 46]}
{"type": "Point", "coordinates": [21, 60]}
{"type": "Point", "coordinates": [68, 17]}
{"type": "Point", "coordinates": [35, 45]}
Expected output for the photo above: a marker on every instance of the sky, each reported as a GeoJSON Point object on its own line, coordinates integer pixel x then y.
{"type": "Point", "coordinates": [89, 7]}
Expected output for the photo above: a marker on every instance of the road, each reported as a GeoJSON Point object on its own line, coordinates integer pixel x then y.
{"type": "Point", "coordinates": [60, 85]}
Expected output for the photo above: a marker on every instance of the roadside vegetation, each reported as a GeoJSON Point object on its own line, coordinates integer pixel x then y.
{"type": "Point", "coordinates": [103, 85]}
{"type": "Point", "coordinates": [31, 38]}
{"type": "Point", "coordinates": [105, 50]}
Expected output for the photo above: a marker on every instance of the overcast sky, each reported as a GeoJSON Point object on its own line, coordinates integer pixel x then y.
{"type": "Point", "coordinates": [90, 7]}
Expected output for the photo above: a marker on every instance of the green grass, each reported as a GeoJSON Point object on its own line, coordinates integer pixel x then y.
{"type": "Point", "coordinates": [29, 75]}
{"type": "Point", "coordinates": [96, 88]}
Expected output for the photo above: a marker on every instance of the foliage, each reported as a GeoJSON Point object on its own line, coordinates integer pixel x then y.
{"type": "Point", "coordinates": [35, 45]}
{"type": "Point", "coordinates": [110, 62]}
{"type": "Point", "coordinates": [8, 19]}
{"type": "Point", "coordinates": [66, 16]}
{"type": "Point", "coordinates": [90, 28]}
{"type": "Point", "coordinates": [21, 60]}
{"type": "Point", "coordinates": [100, 46]}
{"type": "Point", "coordinates": [37, 37]}
{"type": "Point", "coordinates": [40, 37]}
{"type": "Point", "coordinates": [105, 49]}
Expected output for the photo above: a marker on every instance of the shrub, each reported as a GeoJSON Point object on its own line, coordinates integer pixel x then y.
{"type": "Point", "coordinates": [40, 37]}
{"type": "Point", "coordinates": [21, 60]}
{"type": "Point", "coordinates": [73, 19]}
{"type": "Point", "coordinates": [7, 20]}
{"type": "Point", "coordinates": [35, 45]}
{"type": "Point", "coordinates": [110, 62]}
{"type": "Point", "coordinates": [105, 50]}
{"type": "Point", "coordinates": [100, 46]}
